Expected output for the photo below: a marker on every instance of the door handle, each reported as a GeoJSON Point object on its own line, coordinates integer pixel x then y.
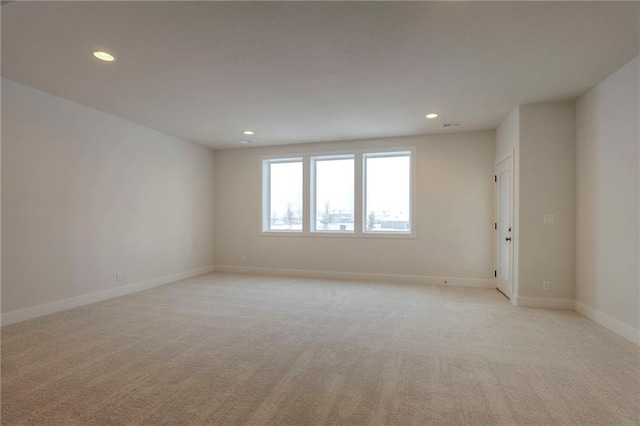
{"type": "Point", "coordinates": [508, 239]}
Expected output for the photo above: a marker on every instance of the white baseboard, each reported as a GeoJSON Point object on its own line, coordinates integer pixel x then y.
{"type": "Point", "coordinates": [538, 302]}
{"type": "Point", "coordinates": [610, 323]}
{"type": "Point", "coordinates": [86, 299]}
{"type": "Point", "coordinates": [357, 276]}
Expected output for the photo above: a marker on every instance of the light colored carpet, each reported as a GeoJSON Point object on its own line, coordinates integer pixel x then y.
{"type": "Point", "coordinates": [229, 350]}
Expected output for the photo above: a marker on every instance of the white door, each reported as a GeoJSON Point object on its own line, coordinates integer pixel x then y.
{"type": "Point", "coordinates": [503, 226]}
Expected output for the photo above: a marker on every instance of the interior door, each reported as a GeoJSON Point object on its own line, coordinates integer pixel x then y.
{"type": "Point", "coordinates": [503, 226]}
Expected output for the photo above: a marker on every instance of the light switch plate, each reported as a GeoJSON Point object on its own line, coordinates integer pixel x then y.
{"type": "Point", "coordinates": [548, 219]}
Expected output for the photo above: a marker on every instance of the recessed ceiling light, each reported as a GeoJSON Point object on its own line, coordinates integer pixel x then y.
{"type": "Point", "coordinates": [248, 132]}
{"type": "Point", "coordinates": [245, 142]}
{"type": "Point", "coordinates": [104, 56]}
{"type": "Point", "coordinates": [432, 115]}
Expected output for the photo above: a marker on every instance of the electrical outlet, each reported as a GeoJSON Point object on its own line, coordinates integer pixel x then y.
{"type": "Point", "coordinates": [383, 264]}
{"type": "Point", "coordinates": [118, 276]}
{"type": "Point", "coordinates": [546, 285]}
{"type": "Point", "coordinates": [244, 259]}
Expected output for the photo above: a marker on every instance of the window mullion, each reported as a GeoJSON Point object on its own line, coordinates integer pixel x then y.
{"type": "Point", "coordinates": [266, 196]}
{"type": "Point", "coordinates": [358, 176]}
{"type": "Point", "coordinates": [306, 195]}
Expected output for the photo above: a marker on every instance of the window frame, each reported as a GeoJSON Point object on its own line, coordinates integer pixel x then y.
{"type": "Point", "coordinates": [388, 154]}
{"type": "Point", "coordinates": [313, 185]}
{"type": "Point", "coordinates": [308, 192]}
{"type": "Point", "coordinates": [265, 205]}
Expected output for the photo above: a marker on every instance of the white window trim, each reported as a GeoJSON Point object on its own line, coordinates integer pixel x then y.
{"type": "Point", "coordinates": [313, 159]}
{"type": "Point", "coordinates": [265, 201]}
{"type": "Point", "coordinates": [359, 189]}
{"type": "Point", "coordinates": [398, 153]}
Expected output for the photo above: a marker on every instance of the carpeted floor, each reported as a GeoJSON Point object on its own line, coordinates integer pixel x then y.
{"type": "Point", "coordinates": [229, 350]}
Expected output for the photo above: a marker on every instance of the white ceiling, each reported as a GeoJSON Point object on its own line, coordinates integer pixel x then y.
{"type": "Point", "coordinates": [306, 71]}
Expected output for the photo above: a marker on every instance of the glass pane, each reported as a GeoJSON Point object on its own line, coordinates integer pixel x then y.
{"type": "Point", "coordinates": [505, 225]}
{"type": "Point", "coordinates": [285, 196]}
{"type": "Point", "coordinates": [334, 194]}
{"type": "Point", "coordinates": [388, 193]}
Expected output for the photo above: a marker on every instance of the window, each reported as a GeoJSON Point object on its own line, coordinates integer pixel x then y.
{"type": "Point", "coordinates": [387, 192]}
{"type": "Point", "coordinates": [358, 193]}
{"type": "Point", "coordinates": [282, 199]}
{"type": "Point", "coordinates": [333, 195]}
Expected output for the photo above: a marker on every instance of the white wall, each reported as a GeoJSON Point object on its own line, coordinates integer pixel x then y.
{"type": "Point", "coordinates": [547, 186]}
{"type": "Point", "coordinates": [86, 195]}
{"type": "Point", "coordinates": [542, 140]}
{"type": "Point", "coordinates": [454, 215]}
{"type": "Point", "coordinates": [508, 135]}
{"type": "Point", "coordinates": [607, 201]}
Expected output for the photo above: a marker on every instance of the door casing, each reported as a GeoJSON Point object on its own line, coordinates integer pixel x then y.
{"type": "Point", "coordinates": [502, 282]}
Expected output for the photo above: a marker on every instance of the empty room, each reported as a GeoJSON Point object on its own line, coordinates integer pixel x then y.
{"type": "Point", "coordinates": [320, 213]}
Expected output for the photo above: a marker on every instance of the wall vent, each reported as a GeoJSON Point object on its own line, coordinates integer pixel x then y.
{"type": "Point", "coordinates": [445, 125]}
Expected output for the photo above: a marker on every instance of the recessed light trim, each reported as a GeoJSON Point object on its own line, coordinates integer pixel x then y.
{"type": "Point", "coordinates": [248, 132]}
{"type": "Point", "coordinates": [103, 56]}
{"type": "Point", "coordinates": [431, 115]}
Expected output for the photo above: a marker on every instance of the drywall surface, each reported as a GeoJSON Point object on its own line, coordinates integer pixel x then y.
{"type": "Point", "coordinates": [508, 135]}
{"type": "Point", "coordinates": [454, 214]}
{"type": "Point", "coordinates": [86, 195]}
{"type": "Point", "coordinates": [607, 199]}
{"type": "Point", "coordinates": [508, 144]}
{"type": "Point", "coordinates": [547, 187]}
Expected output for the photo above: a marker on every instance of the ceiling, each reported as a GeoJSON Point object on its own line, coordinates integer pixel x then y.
{"type": "Point", "coordinates": [297, 72]}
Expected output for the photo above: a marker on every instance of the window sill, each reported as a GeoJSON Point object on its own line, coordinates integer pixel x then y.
{"type": "Point", "coordinates": [382, 236]}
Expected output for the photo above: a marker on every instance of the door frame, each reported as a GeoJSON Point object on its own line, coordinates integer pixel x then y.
{"type": "Point", "coordinates": [507, 160]}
